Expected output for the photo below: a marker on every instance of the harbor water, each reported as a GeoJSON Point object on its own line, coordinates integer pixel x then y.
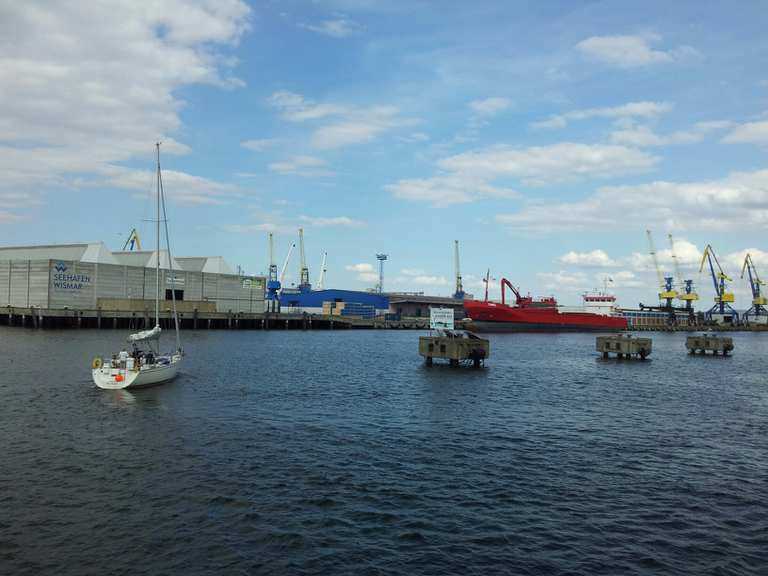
{"type": "Point", "coordinates": [339, 452]}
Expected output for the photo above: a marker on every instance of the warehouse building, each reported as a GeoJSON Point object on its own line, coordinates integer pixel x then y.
{"type": "Point", "coordinates": [90, 276]}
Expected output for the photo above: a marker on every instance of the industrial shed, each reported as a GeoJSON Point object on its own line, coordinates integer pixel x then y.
{"type": "Point", "coordinates": [89, 276]}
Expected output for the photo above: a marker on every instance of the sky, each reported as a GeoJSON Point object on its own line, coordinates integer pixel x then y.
{"type": "Point", "coordinates": [544, 137]}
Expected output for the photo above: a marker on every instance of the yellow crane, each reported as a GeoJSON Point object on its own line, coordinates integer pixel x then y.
{"type": "Point", "coordinates": [688, 294]}
{"type": "Point", "coordinates": [723, 298]}
{"type": "Point", "coordinates": [758, 300]}
{"type": "Point", "coordinates": [133, 241]}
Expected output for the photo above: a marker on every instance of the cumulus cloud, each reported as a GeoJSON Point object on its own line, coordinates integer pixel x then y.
{"type": "Point", "coordinates": [276, 221]}
{"type": "Point", "coordinates": [361, 267]}
{"type": "Point", "coordinates": [563, 280]}
{"type": "Point", "coordinates": [749, 133]}
{"type": "Point", "coordinates": [331, 221]}
{"type": "Point", "coordinates": [306, 166]}
{"type": "Point", "coordinates": [359, 127]}
{"type": "Point", "coordinates": [597, 258]}
{"type": "Point", "coordinates": [259, 145]}
{"type": "Point", "coordinates": [644, 109]}
{"type": "Point", "coordinates": [562, 162]}
{"type": "Point", "coordinates": [469, 176]}
{"type": "Point", "coordinates": [490, 106]}
{"type": "Point", "coordinates": [642, 136]}
{"type": "Point", "coordinates": [178, 186]}
{"type": "Point", "coordinates": [89, 86]}
{"type": "Point", "coordinates": [365, 272]}
{"type": "Point", "coordinates": [737, 201]}
{"type": "Point", "coordinates": [341, 27]}
{"type": "Point", "coordinates": [346, 125]}
{"type": "Point", "coordinates": [447, 189]}
{"type": "Point", "coordinates": [626, 51]}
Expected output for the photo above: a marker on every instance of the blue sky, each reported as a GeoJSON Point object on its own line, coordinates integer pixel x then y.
{"type": "Point", "coordinates": [546, 139]}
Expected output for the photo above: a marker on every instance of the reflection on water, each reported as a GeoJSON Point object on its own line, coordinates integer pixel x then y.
{"type": "Point", "coordinates": [341, 453]}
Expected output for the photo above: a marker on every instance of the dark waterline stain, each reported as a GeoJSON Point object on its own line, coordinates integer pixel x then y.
{"type": "Point", "coordinates": [340, 453]}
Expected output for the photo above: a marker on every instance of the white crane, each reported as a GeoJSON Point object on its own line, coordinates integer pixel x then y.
{"type": "Point", "coordinates": [285, 265]}
{"type": "Point", "coordinates": [321, 278]}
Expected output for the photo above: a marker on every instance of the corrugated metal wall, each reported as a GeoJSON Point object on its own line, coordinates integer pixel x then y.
{"type": "Point", "coordinates": [77, 285]}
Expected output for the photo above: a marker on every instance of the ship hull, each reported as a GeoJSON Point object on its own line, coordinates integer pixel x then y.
{"type": "Point", "coordinates": [493, 317]}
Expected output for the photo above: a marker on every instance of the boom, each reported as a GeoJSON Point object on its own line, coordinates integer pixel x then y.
{"type": "Point", "coordinates": [723, 298]}
{"type": "Point", "coordinates": [321, 278]}
{"type": "Point", "coordinates": [285, 264]}
{"type": "Point", "coordinates": [757, 310]}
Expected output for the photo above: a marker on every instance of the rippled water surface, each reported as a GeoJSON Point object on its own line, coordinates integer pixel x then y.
{"type": "Point", "coordinates": [340, 453]}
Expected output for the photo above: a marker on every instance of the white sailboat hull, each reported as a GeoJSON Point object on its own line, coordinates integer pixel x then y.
{"type": "Point", "coordinates": [110, 378]}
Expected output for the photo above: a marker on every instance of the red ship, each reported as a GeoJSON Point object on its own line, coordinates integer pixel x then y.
{"type": "Point", "coordinates": [543, 314]}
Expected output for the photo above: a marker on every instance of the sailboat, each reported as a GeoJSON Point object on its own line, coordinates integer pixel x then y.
{"type": "Point", "coordinates": [144, 365]}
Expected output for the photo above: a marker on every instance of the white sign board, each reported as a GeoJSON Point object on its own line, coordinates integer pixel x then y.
{"type": "Point", "coordinates": [441, 318]}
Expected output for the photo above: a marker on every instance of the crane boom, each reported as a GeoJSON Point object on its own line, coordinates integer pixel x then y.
{"type": "Point", "coordinates": [685, 291]}
{"type": "Point", "coordinates": [285, 264]}
{"type": "Point", "coordinates": [668, 292]}
{"type": "Point", "coordinates": [133, 241]}
{"type": "Point", "coordinates": [678, 274]}
{"type": "Point", "coordinates": [321, 278]}
{"type": "Point", "coordinates": [723, 298]}
{"type": "Point", "coordinates": [652, 251]}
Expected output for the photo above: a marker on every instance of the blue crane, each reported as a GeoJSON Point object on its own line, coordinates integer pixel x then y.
{"type": "Point", "coordinates": [723, 298]}
{"type": "Point", "coordinates": [759, 301]}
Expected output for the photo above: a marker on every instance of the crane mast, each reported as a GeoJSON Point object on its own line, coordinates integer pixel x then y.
{"type": "Point", "coordinates": [723, 298]}
{"type": "Point", "coordinates": [273, 283]}
{"type": "Point", "coordinates": [757, 311]}
{"type": "Point", "coordinates": [304, 285]}
{"type": "Point", "coordinates": [459, 294]}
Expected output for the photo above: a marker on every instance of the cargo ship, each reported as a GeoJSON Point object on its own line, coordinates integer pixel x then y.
{"type": "Point", "coordinates": [544, 314]}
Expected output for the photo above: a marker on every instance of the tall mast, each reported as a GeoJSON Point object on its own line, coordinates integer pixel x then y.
{"type": "Point", "coordinates": [157, 255]}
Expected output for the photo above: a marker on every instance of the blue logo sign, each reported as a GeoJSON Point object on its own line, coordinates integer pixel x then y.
{"type": "Point", "coordinates": [62, 280]}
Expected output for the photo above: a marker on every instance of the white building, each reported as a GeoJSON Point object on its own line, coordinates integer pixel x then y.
{"type": "Point", "coordinates": [90, 276]}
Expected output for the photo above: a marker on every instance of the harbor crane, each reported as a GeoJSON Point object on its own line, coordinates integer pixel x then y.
{"type": "Point", "coordinates": [723, 298]}
{"type": "Point", "coordinates": [459, 294]}
{"type": "Point", "coordinates": [133, 241]}
{"type": "Point", "coordinates": [668, 293]}
{"type": "Point", "coordinates": [304, 285]}
{"type": "Point", "coordinates": [273, 283]}
{"type": "Point", "coordinates": [688, 294]}
{"type": "Point", "coordinates": [285, 266]}
{"type": "Point", "coordinates": [757, 310]}
{"type": "Point", "coordinates": [321, 279]}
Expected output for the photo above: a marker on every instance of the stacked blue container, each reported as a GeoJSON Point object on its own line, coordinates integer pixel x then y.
{"type": "Point", "coordinates": [359, 310]}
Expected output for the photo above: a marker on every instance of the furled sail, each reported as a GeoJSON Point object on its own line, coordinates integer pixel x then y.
{"type": "Point", "coordinates": [145, 335]}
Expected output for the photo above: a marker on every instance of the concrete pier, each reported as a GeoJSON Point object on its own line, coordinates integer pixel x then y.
{"type": "Point", "coordinates": [624, 346]}
{"type": "Point", "coordinates": [135, 320]}
{"type": "Point", "coordinates": [704, 343]}
{"type": "Point", "coordinates": [455, 346]}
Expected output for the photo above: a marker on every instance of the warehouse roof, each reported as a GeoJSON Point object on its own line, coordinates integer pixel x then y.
{"type": "Point", "coordinates": [94, 252]}
{"type": "Point", "coordinates": [98, 253]}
